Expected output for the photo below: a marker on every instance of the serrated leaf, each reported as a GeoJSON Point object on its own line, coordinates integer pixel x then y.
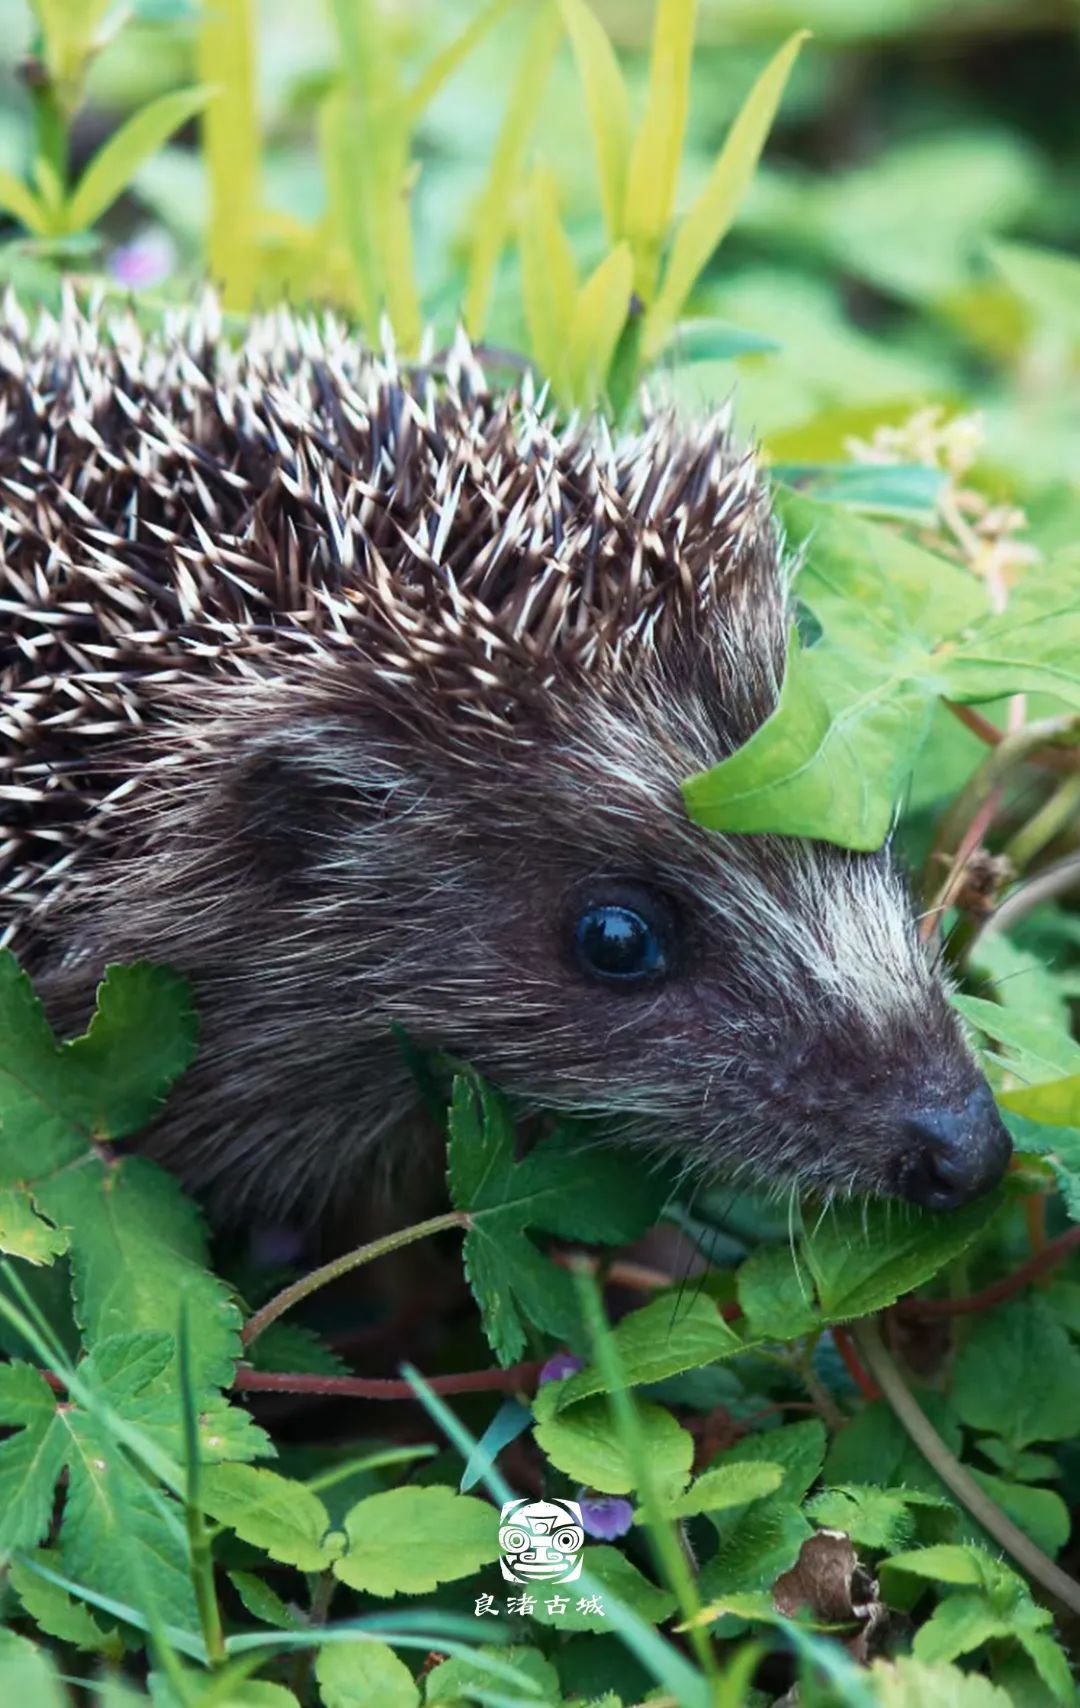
{"type": "Point", "coordinates": [1043, 1050]}
{"type": "Point", "coordinates": [468, 1678]}
{"type": "Point", "coordinates": [708, 220]}
{"type": "Point", "coordinates": [776, 1293]}
{"type": "Point", "coordinates": [398, 1540]}
{"type": "Point", "coordinates": [26, 1234]}
{"type": "Point", "coordinates": [584, 1443]}
{"type": "Point", "coordinates": [54, 1611]}
{"type": "Point", "coordinates": [665, 1337]}
{"type": "Point", "coordinates": [358, 1675]}
{"type": "Point", "coordinates": [114, 165]}
{"type": "Point", "coordinates": [281, 1517]}
{"type": "Point", "coordinates": [724, 1486]}
{"type": "Point", "coordinates": [57, 1099]}
{"type": "Point", "coordinates": [1020, 1350]}
{"type": "Point", "coordinates": [613, 1573]}
{"type": "Point", "coordinates": [565, 1186]}
{"type": "Point", "coordinates": [909, 1683]}
{"type": "Point", "coordinates": [873, 1517]}
{"type": "Point", "coordinates": [137, 1247]}
{"type": "Point", "coordinates": [264, 1603]}
{"type": "Point", "coordinates": [865, 1256]}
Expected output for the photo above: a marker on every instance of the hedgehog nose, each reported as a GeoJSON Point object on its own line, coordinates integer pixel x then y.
{"type": "Point", "coordinates": [954, 1154]}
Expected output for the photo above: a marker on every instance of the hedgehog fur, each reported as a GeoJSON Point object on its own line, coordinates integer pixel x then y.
{"type": "Point", "coordinates": [351, 689]}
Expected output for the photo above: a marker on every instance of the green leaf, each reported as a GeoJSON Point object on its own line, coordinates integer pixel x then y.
{"type": "Point", "coordinates": [758, 1543]}
{"type": "Point", "coordinates": [264, 1603]}
{"type": "Point", "coordinates": [1020, 1350]}
{"type": "Point", "coordinates": [1046, 280]}
{"type": "Point", "coordinates": [116, 161]}
{"type": "Point", "coordinates": [665, 1337]}
{"type": "Point", "coordinates": [280, 1517]}
{"type": "Point", "coordinates": [30, 1460]}
{"type": "Point", "coordinates": [1042, 1050]}
{"type": "Point", "coordinates": [906, 491]}
{"type": "Point", "coordinates": [864, 1256]}
{"type": "Point", "coordinates": [25, 1234]}
{"type": "Point", "coordinates": [398, 1540]}
{"type": "Point", "coordinates": [1040, 1513]}
{"type": "Point", "coordinates": [776, 1293]}
{"type": "Point", "coordinates": [27, 1674]}
{"type": "Point", "coordinates": [467, 1678]}
{"type": "Point", "coordinates": [900, 628]}
{"type": "Point", "coordinates": [724, 1486]}
{"type": "Point", "coordinates": [653, 171]}
{"type": "Point", "coordinates": [709, 219]}
{"type": "Point", "coordinates": [54, 1611]}
{"type": "Point", "coordinates": [909, 1683]}
{"type": "Point", "coordinates": [566, 1185]}
{"type": "Point", "coordinates": [357, 1675]}
{"type": "Point", "coordinates": [585, 1445]}
{"type": "Point", "coordinates": [56, 1099]}
{"type": "Point", "coordinates": [873, 1517]}
{"type": "Point", "coordinates": [614, 1574]}
{"type": "Point", "coordinates": [17, 199]}
{"type": "Point", "coordinates": [137, 1247]}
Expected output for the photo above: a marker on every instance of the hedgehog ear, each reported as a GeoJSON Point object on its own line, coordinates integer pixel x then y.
{"type": "Point", "coordinates": [288, 803]}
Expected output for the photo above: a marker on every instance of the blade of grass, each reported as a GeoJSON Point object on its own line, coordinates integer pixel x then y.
{"type": "Point", "coordinates": [442, 67]}
{"type": "Point", "coordinates": [657, 151]}
{"type": "Point", "coordinates": [600, 314]}
{"type": "Point", "coordinates": [608, 106]}
{"type": "Point", "coordinates": [202, 1559]}
{"type": "Point", "coordinates": [494, 211]}
{"type": "Point", "coordinates": [708, 221]}
{"type": "Point", "coordinates": [116, 161]}
{"type": "Point", "coordinates": [373, 169]}
{"type": "Point", "coordinates": [18, 199]}
{"type": "Point", "coordinates": [549, 283]}
{"type": "Point", "coordinates": [225, 57]}
{"type": "Point", "coordinates": [666, 1546]}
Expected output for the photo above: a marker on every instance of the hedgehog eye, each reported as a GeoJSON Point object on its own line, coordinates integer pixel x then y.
{"type": "Point", "coordinates": [623, 940]}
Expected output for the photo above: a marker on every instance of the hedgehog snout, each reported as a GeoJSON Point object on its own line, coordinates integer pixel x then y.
{"type": "Point", "coordinates": [954, 1152]}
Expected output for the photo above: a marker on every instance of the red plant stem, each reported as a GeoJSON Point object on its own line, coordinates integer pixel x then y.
{"type": "Point", "coordinates": [853, 1364]}
{"type": "Point", "coordinates": [518, 1376]}
{"type": "Point", "coordinates": [969, 842]}
{"type": "Point", "coordinates": [1048, 1258]}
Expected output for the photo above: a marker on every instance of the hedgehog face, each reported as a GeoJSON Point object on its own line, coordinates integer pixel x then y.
{"type": "Point", "coordinates": [760, 1004]}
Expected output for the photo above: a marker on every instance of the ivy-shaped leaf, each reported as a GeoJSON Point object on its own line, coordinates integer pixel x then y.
{"type": "Point", "coordinates": [566, 1186]}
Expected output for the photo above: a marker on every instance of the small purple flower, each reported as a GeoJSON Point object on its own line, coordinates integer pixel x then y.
{"type": "Point", "coordinates": [559, 1365]}
{"type": "Point", "coordinates": [146, 261]}
{"type": "Point", "coordinates": [605, 1516]}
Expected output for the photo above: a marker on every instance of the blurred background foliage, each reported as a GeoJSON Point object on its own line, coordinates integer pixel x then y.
{"type": "Point", "coordinates": [903, 245]}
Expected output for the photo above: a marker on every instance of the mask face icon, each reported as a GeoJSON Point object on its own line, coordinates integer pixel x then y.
{"type": "Point", "coordinates": [541, 1541]}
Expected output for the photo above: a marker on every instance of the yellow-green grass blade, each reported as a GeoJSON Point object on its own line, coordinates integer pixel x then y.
{"type": "Point", "coordinates": [657, 150]}
{"type": "Point", "coordinates": [608, 105]}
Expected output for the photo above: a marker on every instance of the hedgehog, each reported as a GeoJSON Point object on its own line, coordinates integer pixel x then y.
{"type": "Point", "coordinates": [361, 692]}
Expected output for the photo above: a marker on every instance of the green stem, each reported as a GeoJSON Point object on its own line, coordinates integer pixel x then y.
{"type": "Point", "coordinates": [308, 1284]}
{"type": "Point", "coordinates": [1045, 824]}
{"type": "Point", "coordinates": [955, 1476]}
{"type": "Point", "coordinates": [199, 1544]}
